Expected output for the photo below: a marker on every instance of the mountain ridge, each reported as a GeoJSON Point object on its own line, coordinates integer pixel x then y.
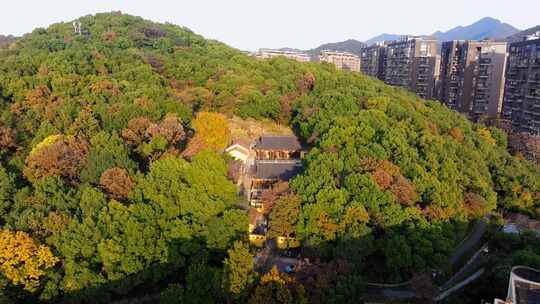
{"type": "Point", "coordinates": [521, 35]}
{"type": "Point", "coordinates": [484, 28]}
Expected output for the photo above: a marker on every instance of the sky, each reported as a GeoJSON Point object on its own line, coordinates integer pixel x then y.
{"type": "Point", "coordinates": [302, 24]}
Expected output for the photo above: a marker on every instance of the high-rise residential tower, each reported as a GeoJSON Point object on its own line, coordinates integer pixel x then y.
{"type": "Point", "coordinates": [521, 102]}
{"type": "Point", "coordinates": [373, 60]}
{"type": "Point", "coordinates": [472, 77]}
{"type": "Point", "coordinates": [413, 62]}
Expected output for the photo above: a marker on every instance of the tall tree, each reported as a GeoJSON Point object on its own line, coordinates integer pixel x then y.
{"type": "Point", "coordinates": [284, 216]}
{"type": "Point", "coordinates": [238, 271]}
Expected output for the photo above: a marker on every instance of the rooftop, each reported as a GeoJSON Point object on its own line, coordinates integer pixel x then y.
{"type": "Point", "coordinates": [242, 142]}
{"type": "Point", "coordinates": [278, 142]}
{"type": "Point", "coordinates": [527, 291]}
{"type": "Point", "coordinates": [338, 53]}
{"type": "Point", "coordinates": [277, 170]}
{"type": "Point", "coordinates": [522, 222]}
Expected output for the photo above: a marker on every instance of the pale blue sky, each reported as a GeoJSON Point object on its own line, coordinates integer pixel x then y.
{"type": "Point", "coordinates": [251, 24]}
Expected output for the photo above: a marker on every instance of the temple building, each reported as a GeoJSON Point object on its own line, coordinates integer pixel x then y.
{"type": "Point", "coordinates": [277, 148]}
{"type": "Point", "coordinates": [277, 158]}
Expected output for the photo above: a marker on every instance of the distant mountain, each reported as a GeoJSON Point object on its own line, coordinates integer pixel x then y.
{"type": "Point", "coordinates": [382, 38]}
{"type": "Point", "coordinates": [351, 46]}
{"type": "Point", "coordinates": [484, 28]}
{"type": "Point", "coordinates": [520, 35]}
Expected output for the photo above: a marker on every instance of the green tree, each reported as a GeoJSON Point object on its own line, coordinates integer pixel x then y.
{"type": "Point", "coordinates": [106, 151]}
{"type": "Point", "coordinates": [238, 271]}
{"type": "Point", "coordinates": [7, 189]}
{"type": "Point", "coordinates": [284, 216]}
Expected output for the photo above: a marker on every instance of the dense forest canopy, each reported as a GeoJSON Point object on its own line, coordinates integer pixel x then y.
{"type": "Point", "coordinates": [112, 177]}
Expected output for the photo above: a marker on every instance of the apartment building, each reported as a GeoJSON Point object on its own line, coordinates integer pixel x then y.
{"type": "Point", "coordinates": [373, 61]}
{"type": "Point", "coordinates": [472, 77]}
{"type": "Point", "coordinates": [521, 103]}
{"type": "Point", "coordinates": [450, 75]}
{"type": "Point", "coordinates": [413, 62]}
{"type": "Point", "coordinates": [342, 60]}
{"type": "Point", "coordinates": [270, 53]}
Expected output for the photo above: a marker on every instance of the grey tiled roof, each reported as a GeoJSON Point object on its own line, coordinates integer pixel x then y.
{"type": "Point", "coordinates": [275, 142]}
{"type": "Point", "coordinates": [277, 170]}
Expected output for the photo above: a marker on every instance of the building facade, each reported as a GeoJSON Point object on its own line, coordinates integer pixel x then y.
{"type": "Point", "coordinates": [523, 286]}
{"type": "Point", "coordinates": [373, 61]}
{"type": "Point", "coordinates": [277, 158]}
{"type": "Point", "coordinates": [450, 75]}
{"type": "Point", "coordinates": [270, 53]}
{"type": "Point", "coordinates": [472, 77]}
{"type": "Point", "coordinates": [521, 103]}
{"type": "Point", "coordinates": [342, 60]}
{"type": "Point", "coordinates": [413, 63]}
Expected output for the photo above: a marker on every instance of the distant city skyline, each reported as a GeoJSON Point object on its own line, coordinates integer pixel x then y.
{"type": "Point", "coordinates": [302, 24]}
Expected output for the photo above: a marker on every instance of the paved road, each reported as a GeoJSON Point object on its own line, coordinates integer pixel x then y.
{"type": "Point", "coordinates": [473, 263]}
{"type": "Point", "coordinates": [402, 294]}
{"type": "Point", "coordinates": [472, 241]}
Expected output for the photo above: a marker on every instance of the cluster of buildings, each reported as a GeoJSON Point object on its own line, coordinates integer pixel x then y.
{"type": "Point", "coordinates": [516, 223]}
{"type": "Point", "coordinates": [266, 161]}
{"type": "Point", "coordinates": [270, 53]}
{"type": "Point", "coordinates": [467, 76]}
{"type": "Point", "coordinates": [477, 78]}
{"type": "Point", "coordinates": [342, 60]}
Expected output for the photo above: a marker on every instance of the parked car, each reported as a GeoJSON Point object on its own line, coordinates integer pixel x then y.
{"type": "Point", "coordinates": [290, 269]}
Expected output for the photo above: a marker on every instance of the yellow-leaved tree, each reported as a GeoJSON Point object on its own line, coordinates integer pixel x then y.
{"type": "Point", "coordinates": [211, 132]}
{"type": "Point", "coordinates": [486, 135]}
{"type": "Point", "coordinates": [22, 260]}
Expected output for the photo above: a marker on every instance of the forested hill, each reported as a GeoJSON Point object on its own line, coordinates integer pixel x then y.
{"type": "Point", "coordinates": [112, 182]}
{"type": "Point", "coordinates": [6, 40]}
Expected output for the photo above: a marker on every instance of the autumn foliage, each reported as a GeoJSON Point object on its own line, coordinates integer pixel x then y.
{"type": "Point", "coordinates": [117, 182]}
{"type": "Point", "coordinates": [486, 135]}
{"type": "Point", "coordinates": [388, 177]}
{"type": "Point", "coordinates": [475, 205]}
{"type": "Point", "coordinates": [141, 129]}
{"type": "Point", "coordinates": [526, 145]}
{"type": "Point", "coordinates": [403, 191]}
{"type": "Point", "coordinates": [270, 196]}
{"type": "Point", "coordinates": [64, 156]}
{"type": "Point", "coordinates": [22, 260]}
{"type": "Point", "coordinates": [457, 134]}
{"type": "Point", "coordinates": [279, 287]}
{"type": "Point", "coordinates": [7, 138]}
{"type": "Point", "coordinates": [211, 132]}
